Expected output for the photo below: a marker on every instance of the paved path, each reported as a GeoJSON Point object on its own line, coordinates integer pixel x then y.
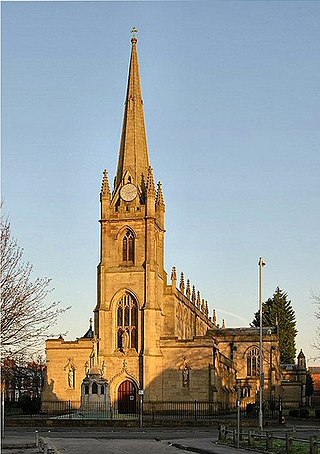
{"type": "Point", "coordinates": [107, 440]}
{"type": "Point", "coordinates": [123, 441]}
{"type": "Point", "coordinates": [133, 446]}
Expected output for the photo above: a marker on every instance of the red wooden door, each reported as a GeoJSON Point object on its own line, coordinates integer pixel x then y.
{"type": "Point", "coordinates": [127, 397]}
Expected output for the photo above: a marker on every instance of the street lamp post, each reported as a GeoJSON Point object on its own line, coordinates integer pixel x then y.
{"type": "Point", "coordinates": [261, 264]}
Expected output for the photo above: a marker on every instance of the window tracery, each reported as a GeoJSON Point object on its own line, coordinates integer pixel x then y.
{"type": "Point", "coordinates": [127, 322]}
{"type": "Point", "coordinates": [253, 362]}
{"type": "Point", "coordinates": [128, 246]}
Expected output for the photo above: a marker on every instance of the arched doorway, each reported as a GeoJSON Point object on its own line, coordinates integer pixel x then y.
{"type": "Point", "coordinates": [127, 397]}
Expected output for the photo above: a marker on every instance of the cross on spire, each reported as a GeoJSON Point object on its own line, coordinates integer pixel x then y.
{"type": "Point", "coordinates": [134, 31]}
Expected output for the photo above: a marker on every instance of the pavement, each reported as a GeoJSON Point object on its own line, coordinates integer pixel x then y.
{"type": "Point", "coordinates": [106, 440]}
{"type": "Point", "coordinates": [161, 441]}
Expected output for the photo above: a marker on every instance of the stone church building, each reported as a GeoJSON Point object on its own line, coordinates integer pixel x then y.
{"type": "Point", "coordinates": [150, 332]}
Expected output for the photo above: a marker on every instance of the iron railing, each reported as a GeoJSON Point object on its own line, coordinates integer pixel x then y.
{"type": "Point", "coordinates": [151, 410]}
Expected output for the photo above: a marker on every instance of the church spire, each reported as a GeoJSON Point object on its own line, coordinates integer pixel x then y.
{"type": "Point", "coordinates": [133, 154]}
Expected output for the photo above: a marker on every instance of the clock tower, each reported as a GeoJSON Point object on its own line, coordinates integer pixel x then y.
{"type": "Point", "coordinates": [151, 336]}
{"type": "Point", "coordinates": [131, 275]}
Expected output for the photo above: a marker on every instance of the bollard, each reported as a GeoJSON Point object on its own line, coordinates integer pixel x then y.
{"type": "Point", "coordinates": [269, 440]}
{"type": "Point", "coordinates": [313, 444]}
{"type": "Point", "coordinates": [251, 439]}
{"type": "Point", "coordinates": [234, 436]}
{"type": "Point", "coordinates": [222, 432]}
{"type": "Point", "coordinates": [289, 443]}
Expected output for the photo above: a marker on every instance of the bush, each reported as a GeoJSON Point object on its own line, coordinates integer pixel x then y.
{"type": "Point", "coordinates": [304, 413]}
{"type": "Point", "coordinates": [317, 412]}
{"type": "Point", "coordinates": [294, 412]}
{"type": "Point", "coordinates": [29, 405]}
{"type": "Point", "coordinates": [250, 409]}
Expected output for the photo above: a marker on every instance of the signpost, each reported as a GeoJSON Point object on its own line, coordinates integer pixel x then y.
{"type": "Point", "coordinates": [261, 264]}
{"type": "Point", "coordinates": [141, 393]}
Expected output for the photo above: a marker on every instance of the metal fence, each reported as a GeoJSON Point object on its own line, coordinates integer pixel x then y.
{"type": "Point", "coordinates": [286, 441]}
{"type": "Point", "coordinates": [182, 411]}
{"type": "Point", "coordinates": [150, 411]}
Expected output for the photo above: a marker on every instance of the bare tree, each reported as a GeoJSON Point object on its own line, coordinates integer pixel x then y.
{"type": "Point", "coordinates": [316, 299]}
{"type": "Point", "coordinates": [22, 375]}
{"type": "Point", "coordinates": [25, 316]}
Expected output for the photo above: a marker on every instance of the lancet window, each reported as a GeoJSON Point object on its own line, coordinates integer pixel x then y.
{"type": "Point", "coordinates": [127, 320]}
{"type": "Point", "coordinates": [253, 362]}
{"type": "Point", "coordinates": [128, 247]}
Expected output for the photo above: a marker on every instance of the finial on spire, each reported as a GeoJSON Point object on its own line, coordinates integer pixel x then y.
{"type": "Point", "coordinates": [134, 31]}
{"type": "Point", "coordinates": [90, 321]}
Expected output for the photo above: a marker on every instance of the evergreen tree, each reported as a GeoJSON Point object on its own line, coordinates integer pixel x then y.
{"type": "Point", "coordinates": [277, 311]}
{"type": "Point", "coordinates": [309, 384]}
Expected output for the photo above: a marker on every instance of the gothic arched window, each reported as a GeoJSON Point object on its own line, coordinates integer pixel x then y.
{"type": "Point", "coordinates": [94, 388]}
{"type": "Point", "coordinates": [128, 247]}
{"type": "Point", "coordinates": [253, 362]}
{"type": "Point", "coordinates": [127, 321]}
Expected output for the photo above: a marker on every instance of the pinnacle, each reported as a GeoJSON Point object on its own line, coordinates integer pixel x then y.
{"type": "Point", "coordinates": [150, 186]}
{"type": "Point", "coordinates": [182, 283]}
{"type": "Point", "coordinates": [160, 198]}
{"type": "Point", "coordinates": [105, 187]}
{"type": "Point", "coordinates": [173, 274]}
{"type": "Point", "coordinates": [214, 317]}
{"type": "Point", "coordinates": [198, 302]}
{"type": "Point", "coordinates": [193, 294]}
{"type": "Point", "coordinates": [188, 291]}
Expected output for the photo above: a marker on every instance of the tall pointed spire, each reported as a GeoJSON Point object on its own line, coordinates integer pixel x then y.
{"type": "Point", "coordinates": [133, 154]}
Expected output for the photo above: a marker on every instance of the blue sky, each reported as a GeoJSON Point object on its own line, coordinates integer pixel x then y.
{"type": "Point", "coordinates": [231, 92]}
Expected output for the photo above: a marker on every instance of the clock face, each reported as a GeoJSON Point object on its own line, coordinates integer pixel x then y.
{"type": "Point", "coordinates": [128, 192]}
